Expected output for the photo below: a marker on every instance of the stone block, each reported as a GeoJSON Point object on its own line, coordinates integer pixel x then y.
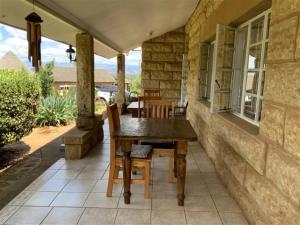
{"type": "Point", "coordinates": [165, 93]}
{"type": "Point", "coordinates": [146, 75]}
{"type": "Point", "coordinates": [177, 67]}
{"type": "Point", "coordinates": [234, 162]}
{"type": "Point", "coordinates": [283, 39]}
{"type": "Point", "coordinates": [171, 37]}
{"type": "Point", "coordinates": [248, 146]}
{"type": "Point", "coordinates": [169, 84]}
{"type": "Point", "coordinates": [157, 47]}
{"type": "Point", "coordinates": [161, 75]}
{"type": "Point", "coordinates": [281, 9]}
{"type": "Point", "coordinates": [284, 171]}
{"type": "Point", "coordinates": [150, 84]}
{"type": "Point", "coordinates": [163, 57]}
{"type": "Point", "coordinates": [282, 84]}
{"type": "Point", "coordinates": [178, 47]}
{"type": "Point", "coordinates": [177, 75]}
{"type": "Point", "coordinates": [146, 56]}
{"type": "Point", "coordinates": [76, 136]}
{"type": "Point", "coordinates": [292, 133]}
{"type": "Point", "coordinates": [272, 122]}
{"type": "Point", "coordinates": [152, 66]}
{"type": "Point", "coordinates": [270, 201]}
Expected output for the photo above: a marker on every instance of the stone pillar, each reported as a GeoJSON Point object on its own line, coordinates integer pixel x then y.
{"type": "Point", "coordinates": [85, 81]}
{"type": "Point", "coordinates": [120, 98]}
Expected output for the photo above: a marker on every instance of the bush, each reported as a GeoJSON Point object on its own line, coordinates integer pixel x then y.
{"type": "Point", "coordinates": [56, 110]}
{"type": "Point", "coordinates": [46, 79]}
{"type": "Point", "coordinates": [19, 93]}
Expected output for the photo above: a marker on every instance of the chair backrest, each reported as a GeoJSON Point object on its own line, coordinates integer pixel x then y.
{"type": "Point", "coordinates": [142, 102]}
{"type": "Point", "coordinates": [113, 118]}
{"type": "Point", "coordinates": [160, 109]}
{"type": "Point", "coordinates": [152, 92]}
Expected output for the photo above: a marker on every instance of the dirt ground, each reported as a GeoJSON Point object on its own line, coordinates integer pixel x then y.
{"type": "Point", "coordinates": [39, 137]}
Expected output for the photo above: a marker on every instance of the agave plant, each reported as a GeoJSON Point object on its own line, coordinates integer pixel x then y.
{"type": "Point", "coordinates": [56, 110]}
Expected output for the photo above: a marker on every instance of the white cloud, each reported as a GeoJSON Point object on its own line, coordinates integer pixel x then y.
{"type": "Point", "coordinates": [0, 36]}
{"type": "Point", "coordinates": [14, 32]}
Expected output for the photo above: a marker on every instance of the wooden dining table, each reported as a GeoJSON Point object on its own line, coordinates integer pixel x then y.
{"type": "Point", "coordinates": [136, 129]}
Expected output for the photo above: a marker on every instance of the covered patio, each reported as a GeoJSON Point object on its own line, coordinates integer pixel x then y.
{"type": "Point", "coordinates": [235, 62]}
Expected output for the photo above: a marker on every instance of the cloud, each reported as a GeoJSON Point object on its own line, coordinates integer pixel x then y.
{"type": "Point", "coordinates": [15, 40]}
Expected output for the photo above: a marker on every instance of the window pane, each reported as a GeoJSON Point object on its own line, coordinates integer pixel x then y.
{"type": "Point", "coordinates": [250, 107]}
{"type": "Point", "coordinates": [210, 70]}
{"type": "Point", "coordinates": [251, 82]}
{"type": "Point", "coordinates": [262, 83]}
{"type": "Point", "coordinates": [254, 57]}
{"type": "Point", "coordinates": [257, 27]}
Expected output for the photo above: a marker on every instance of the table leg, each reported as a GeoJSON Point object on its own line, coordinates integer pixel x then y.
{"type": "Point", "coordinates": [181, 170]}
{"type": "Point", "coordinates": [126, 147]}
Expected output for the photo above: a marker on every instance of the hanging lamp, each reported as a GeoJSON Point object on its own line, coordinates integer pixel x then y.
{"type": "Point", "coordinates": [34, 38]}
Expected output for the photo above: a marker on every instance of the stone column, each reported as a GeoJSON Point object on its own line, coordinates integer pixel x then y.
{"type": "Point", "coordinates": [85, 81]}
{"type": "Point", "coordinates": [120, 97]}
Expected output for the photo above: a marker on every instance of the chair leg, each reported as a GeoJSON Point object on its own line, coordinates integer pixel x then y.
{"type": "Point", "coordinates": [171, 172]}
{"type": "Point", "coordinates": [147, 179]}
{"type": "Point", "coordinates": [111, 176]}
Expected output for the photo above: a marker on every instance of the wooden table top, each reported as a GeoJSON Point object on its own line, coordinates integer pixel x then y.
{"type": "Point", "coordinates": [166, 129]}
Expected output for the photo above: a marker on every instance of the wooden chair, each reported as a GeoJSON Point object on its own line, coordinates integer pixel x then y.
{"type": "Point", "coordinates": [141, 156]}
{"type": "Point", "coordinates": [152, 92]}
{"type": "Point", "coordinates": [162, 109]}
{"type": "Point", "coordinates": [180, 111]}
{"type": "Point", "coordinates": [142, 102]}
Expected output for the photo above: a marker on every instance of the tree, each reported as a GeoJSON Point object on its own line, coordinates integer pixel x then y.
{"type": "Point", "coordinates": [46, 79]}
{"type": "Point", "coordinates": [136, 86]}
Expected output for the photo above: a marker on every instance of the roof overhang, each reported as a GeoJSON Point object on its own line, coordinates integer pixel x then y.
{"type": "Point", "coordinates": [116, 25]}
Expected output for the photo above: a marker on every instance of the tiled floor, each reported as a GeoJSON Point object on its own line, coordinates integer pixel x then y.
{"type": "Point", "coordinates": [73, 192]}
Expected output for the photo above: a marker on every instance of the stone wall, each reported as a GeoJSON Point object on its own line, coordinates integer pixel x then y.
{"type": "Point", "coordinates": [259, 166]}
{"type": "Point", "coordinates": [162, 63]}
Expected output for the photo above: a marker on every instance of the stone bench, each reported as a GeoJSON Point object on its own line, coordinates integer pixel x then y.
{"type": "Point", "coordinates": [78, 142]}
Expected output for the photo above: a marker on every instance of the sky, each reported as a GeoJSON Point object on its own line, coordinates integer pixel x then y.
{"type": "Point", "coordinates": [15, 40]}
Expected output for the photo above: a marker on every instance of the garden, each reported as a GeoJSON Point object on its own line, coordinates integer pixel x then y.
{"type": "Point", "coordinates": [29, 102]}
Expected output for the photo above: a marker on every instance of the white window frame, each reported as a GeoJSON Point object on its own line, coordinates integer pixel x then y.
{"type": "Point", "coordinates": [210, 71]}
{"type": "Point", "coordinates": [260, 70]}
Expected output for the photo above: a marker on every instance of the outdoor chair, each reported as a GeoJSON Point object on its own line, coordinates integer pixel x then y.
{"type": "Point", "coordinates": [141, 156]}
{"type": "Point", "coordinates": [162, 109]}
{"type": "Point", "coordinates": [142, 102]}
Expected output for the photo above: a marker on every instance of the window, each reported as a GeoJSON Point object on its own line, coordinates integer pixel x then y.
{"type": "Point", "coordinates": [251, 46]}
{"type": "Point", "coordinates": [206, 69]}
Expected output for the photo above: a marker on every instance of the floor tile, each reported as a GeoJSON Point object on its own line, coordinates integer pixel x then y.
{"type": "Point", "coordinates": [137, 201]}
{"type": "Point", "coordinates": [21, 198]}
{"type": "Point", "coordinates": [70, 199]}
{"type": "Point", "coordinates": [167, 217]}
{"type": "Point", "coordinates": [218, 190]}
{"type": "Point", "coordinates": [133, 217]}
{"type": "Point", "coordinates": [96, 216]}
{"type": "Point", "coordinates": [233, 219]}
{"type": "Point", "coordinates": [41, 199]}
{"type": "Point", "coordinates": [53, 185]}
{"type": "Point", "coordinates": [199, 203]}
{"type": "Point", "coordinates": [203, 218]}
{"type": "Point", "coordinates": [6, 212]}
{"type": "Point", "coordinates": [100, 200]}
{"type": "Point", "coordinates": [101, 186]}
{"type": "Point", "coordinates": [65, 216]}
{"type": "Point", "coordinates": [66, 174]}
{"type": "Point", "coordinates": [169, 203]}
{"type": "Point", "coordinates": [92, 174]}
{"type": "Point", "coordinates": [226, 204]}
{"type": "Point", "coordinates": [84, 185]}
{"type": "Point", "coordinates": [29, 215]}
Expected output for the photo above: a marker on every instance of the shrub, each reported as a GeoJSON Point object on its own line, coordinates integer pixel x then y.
{"type": "Point", "coordinates": [56, 110]}
{"type": "Point", "coordinates": [46, 79]}
{"type": "Point", "coordinates": [19, 93]}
